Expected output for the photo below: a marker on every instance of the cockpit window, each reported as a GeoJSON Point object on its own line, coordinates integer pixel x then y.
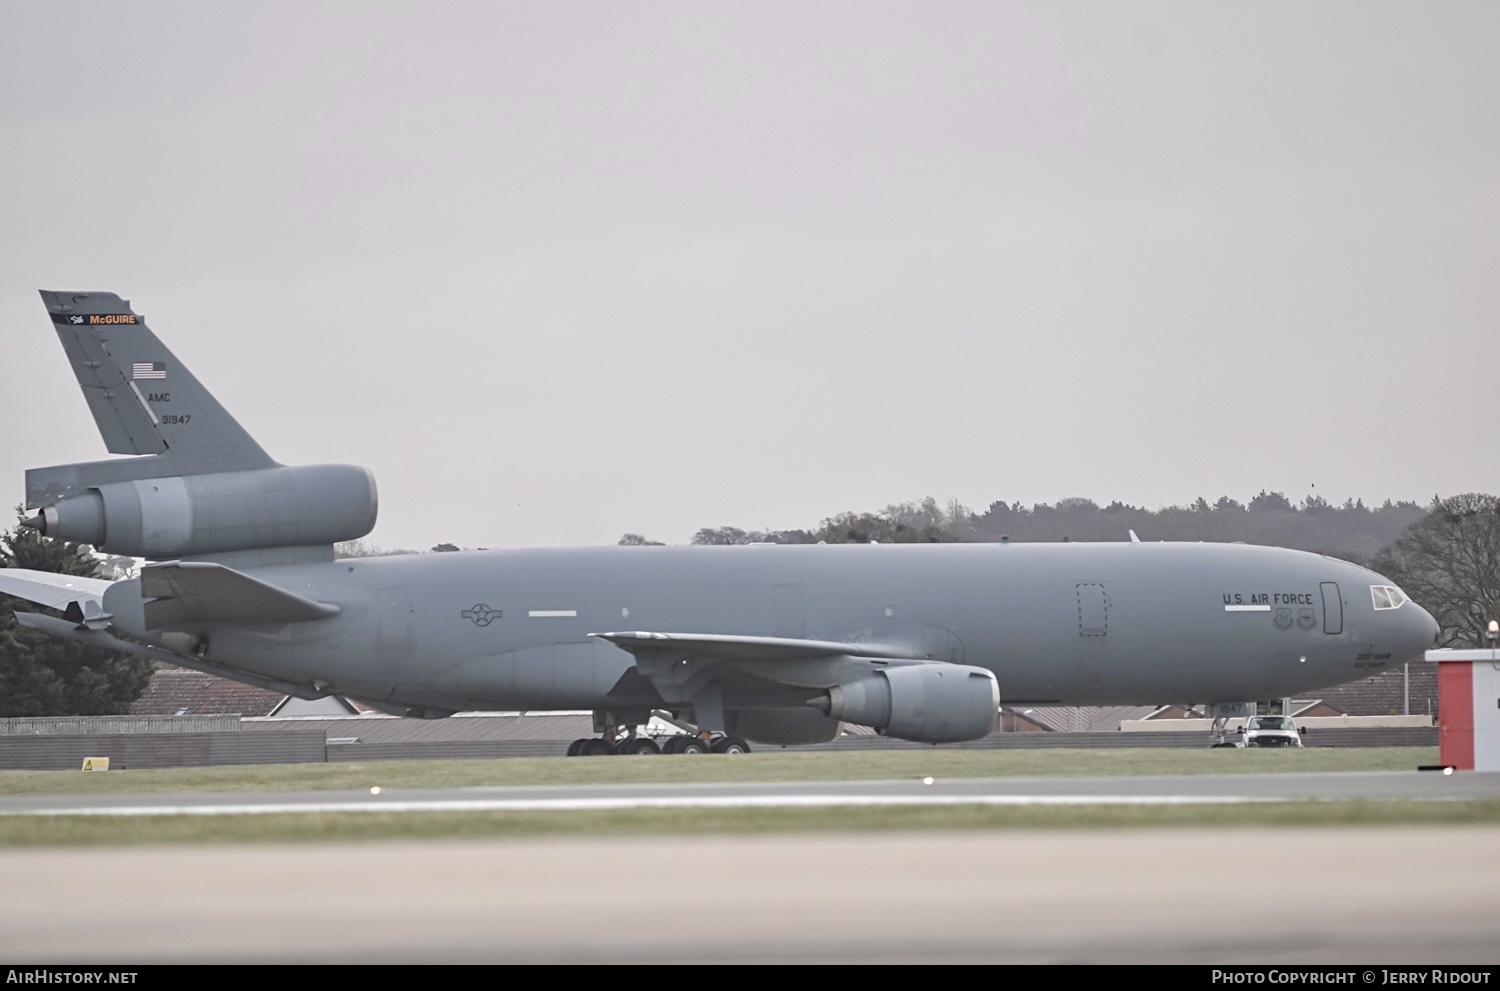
{"type": "Point", "coordinates": [1387, 596]}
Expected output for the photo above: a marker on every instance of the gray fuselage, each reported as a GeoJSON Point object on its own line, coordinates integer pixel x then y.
{"type": "Point", "coordinates": [1071, 623]}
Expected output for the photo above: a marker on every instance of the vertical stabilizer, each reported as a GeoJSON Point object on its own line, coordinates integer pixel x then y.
{"type": "Point", "coordinates": [144, 400]}
{"type": "Point", "coordinates": [199, 485]}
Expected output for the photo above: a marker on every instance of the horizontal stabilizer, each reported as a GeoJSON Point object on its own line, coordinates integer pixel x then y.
{"type": "Point", "coordinates": [54, 591]}
{"type": "Point", "coordinates": [98, 638]}
{"type": "Point", "coordinates": [741, 648]}
{"type": "Point", "coordinates": [180, 592]}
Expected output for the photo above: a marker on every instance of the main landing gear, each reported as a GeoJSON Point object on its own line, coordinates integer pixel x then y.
{"type": "Point", "coordinates": [644, 745]}
{"type": "Point", "coordinates": [660, 734]}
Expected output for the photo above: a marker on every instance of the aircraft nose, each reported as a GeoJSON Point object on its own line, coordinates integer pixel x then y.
{"type": "Point", "coordinates": [1433, 629]}
{"type": "Point", "coordinates": [1419, 631]}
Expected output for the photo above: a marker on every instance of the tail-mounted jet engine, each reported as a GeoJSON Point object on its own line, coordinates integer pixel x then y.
{"type": "Point", "coordinates": [181, 515]}
{"type": "Point", "coordinates": [928, 703]}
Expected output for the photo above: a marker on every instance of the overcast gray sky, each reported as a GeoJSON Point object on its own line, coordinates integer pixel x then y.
{"type": "Point", "coordinates": [556, 271]}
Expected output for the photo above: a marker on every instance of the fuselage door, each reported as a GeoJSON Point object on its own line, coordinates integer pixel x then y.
{"type": "Point", "coordinates": [1093, 610]}
{"type": "Point", "coordinates": [1333, 608]}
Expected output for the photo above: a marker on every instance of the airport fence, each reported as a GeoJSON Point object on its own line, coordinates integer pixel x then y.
{"type": "Point", "coordinates": [95, 725]}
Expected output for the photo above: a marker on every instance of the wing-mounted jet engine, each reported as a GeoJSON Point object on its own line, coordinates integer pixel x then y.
{"type": "Point", "coordinates": [929, 703]}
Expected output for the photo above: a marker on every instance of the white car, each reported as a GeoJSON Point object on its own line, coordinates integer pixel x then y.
{"type": "Point", "coordinates": [1270, 731]}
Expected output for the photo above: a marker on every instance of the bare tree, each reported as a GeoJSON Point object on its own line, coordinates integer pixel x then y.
{"type": "Point", "coordinates": [1449, 562]}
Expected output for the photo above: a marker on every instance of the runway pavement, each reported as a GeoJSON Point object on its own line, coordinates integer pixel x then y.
{"type": "Point", "coordinates": [1167, 789]}
{"type": "Point", "coordinates": [1366, 896]}
{"type": "Point", "coordinates": [1408, 895]}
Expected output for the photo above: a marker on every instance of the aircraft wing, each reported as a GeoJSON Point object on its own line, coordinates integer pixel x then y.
{"type": "Point", "coordinates": [738, 648]}
{"type": "Point", "coordinates": [178, 592]}
{"type": "Point", "coordinates": [49, 589]}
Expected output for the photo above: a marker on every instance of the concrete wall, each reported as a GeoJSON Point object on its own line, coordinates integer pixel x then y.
{"type": "Point", "coordinates": [135, 750]}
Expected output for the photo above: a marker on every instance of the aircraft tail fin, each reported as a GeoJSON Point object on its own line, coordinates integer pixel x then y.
{"type": "Point", "coordinates": [144, 400]}
{"type": "Point", "coordinates": [199, 484]}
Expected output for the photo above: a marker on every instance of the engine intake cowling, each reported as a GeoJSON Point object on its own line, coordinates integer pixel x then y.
{"type": "Point", "coordinates": [929, 703]}
{"type": "Point", "coordinates": [180, 515]}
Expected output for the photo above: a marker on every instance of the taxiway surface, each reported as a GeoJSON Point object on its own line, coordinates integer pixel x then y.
{"type": "Point", "coordinates": [1373, 896]}
{"type": "Point", "coordinates": [1222, 895]}
{"type": "Point", "coordinates": [1164, 789]}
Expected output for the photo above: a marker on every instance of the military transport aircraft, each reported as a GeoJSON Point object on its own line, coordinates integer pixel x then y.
{"type": "Point", "coordinates": [774, 644]}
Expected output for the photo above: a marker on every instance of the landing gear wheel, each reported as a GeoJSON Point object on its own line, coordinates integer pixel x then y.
{"type": "Point", "coordinates": [731, 745]}
{"type": "Point", "coordinates": [684, 745]}
{"type": "Point", "coordinates": [576, 747]}
{"type": "Point", "coordinates": [596, 748]}
{"type": "Point", "coordinates": [639, 746]}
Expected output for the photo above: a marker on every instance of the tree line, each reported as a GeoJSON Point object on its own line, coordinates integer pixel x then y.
{"type": "Point", "coordinates": [1351, 530]}
{"type": "Point", "coordinates": [1445, 555]}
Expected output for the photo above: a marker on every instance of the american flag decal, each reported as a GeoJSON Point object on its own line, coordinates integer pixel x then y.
{"type": "Point", "coordinates": [148, 370]}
